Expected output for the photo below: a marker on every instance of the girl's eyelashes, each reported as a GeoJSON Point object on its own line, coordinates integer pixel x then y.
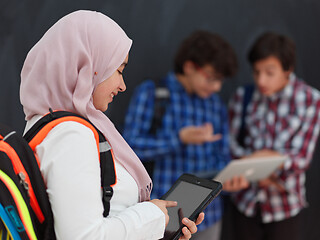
{"type": "Point", "coordinates": [119, 72]}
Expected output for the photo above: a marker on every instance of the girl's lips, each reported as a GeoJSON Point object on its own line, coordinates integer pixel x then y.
{"type": "Point", "coordinates": [112, 95]}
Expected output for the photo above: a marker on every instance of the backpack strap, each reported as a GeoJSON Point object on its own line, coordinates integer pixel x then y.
{"type": "Point", "coordinates": [108, 174]}
{"type": "Point", "coordinates": [161, 98]}
{"type": "Point", "coordinates": [7, 228]}
{"type": "Point", "coordinates": [25, 223]}
{"type": "Point", "coordinates": [248, 92]}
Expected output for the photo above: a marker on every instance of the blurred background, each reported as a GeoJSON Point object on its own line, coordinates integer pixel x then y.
{"type": "Point", "coordinates": [156, 28]}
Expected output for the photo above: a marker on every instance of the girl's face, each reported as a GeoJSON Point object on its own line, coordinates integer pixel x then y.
{"type": "Point", "coordinates": [269, 75]}
{"type": "Point", "coordinates": [109, 88]}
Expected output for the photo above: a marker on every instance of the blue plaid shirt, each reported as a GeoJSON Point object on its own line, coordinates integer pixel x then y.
{"type": "Point", "coordinates": [172, 157]}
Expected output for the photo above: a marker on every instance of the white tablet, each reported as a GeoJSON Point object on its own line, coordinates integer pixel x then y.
{"type": "Point", "coordinates": [253, 169]}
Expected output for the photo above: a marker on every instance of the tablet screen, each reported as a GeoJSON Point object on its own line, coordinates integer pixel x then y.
{"type": "Point", "coordinates": [189, 196]}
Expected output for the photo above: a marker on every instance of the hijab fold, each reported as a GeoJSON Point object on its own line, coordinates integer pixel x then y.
{"type": "Point", "coordinates": [62, 70]}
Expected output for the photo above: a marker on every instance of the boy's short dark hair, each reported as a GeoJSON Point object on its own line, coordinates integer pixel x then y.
{"type": "Point", "coordinates": [202, 48]}
{"type": "Point", "coordinates": [273, 44]}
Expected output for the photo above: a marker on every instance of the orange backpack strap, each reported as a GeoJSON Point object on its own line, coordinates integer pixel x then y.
{"type": "Point", "coordinates": [108, 174]}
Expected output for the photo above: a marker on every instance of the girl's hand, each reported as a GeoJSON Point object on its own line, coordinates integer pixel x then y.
{"type": "Point", "coordinates": [163, 205]}
{"type": "Point", "coordinates": [190, 226]}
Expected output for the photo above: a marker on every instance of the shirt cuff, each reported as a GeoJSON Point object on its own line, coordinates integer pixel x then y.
{"type": "Point", "coordinates": [154, 220]}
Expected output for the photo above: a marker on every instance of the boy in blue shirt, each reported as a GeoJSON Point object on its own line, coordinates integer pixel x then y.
{"type": "Point", "coordinates": [193, 135]}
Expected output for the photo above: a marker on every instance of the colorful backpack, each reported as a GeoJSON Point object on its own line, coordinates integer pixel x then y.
{"type": "Point", "coordinates": [24, 206]}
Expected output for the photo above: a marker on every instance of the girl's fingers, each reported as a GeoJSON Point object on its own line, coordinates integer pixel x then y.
{"type": "Point", "coordinates": [200, 218]}
{"type": "Point", "coordinates": [190, 225]}
{"type": "Point", "coordinates": [186, 234]}
{"type": "Point", "coordinates": [171, 203]}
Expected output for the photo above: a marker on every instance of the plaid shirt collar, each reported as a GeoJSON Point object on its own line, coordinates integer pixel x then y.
{"type": "Point", "coordinates": [286, 92]}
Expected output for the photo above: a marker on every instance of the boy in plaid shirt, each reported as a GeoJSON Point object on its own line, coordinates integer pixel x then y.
{"type": "Point", "coordinates": [282, 118]}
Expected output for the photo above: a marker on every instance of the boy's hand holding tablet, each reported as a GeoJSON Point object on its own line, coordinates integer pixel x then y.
{"type": "Point", "coordinates": [258, 167]}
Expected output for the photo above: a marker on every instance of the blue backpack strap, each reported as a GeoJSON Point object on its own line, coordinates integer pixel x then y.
{"type": "Point", "coordinates": [6, 226]}
{"type": "Point", "coordinates": [248, 92]}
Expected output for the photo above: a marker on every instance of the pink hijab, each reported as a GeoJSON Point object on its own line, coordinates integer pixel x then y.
{"type": "Point", "coordinates": [63, 69]}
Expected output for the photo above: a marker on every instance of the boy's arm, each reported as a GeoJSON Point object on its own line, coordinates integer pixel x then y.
{"type": "Point", "coordinates": [138, 123]}
{"type": "Point", "coordinates": [300, 149]}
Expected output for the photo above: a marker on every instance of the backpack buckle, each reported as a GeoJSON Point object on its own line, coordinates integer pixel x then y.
{"type": "Point", "coordinates": [107, 193]}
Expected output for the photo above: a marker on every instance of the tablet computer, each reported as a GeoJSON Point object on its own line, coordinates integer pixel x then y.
{"type": "Point", "coordinates": [193, 195]}
{"type": "Point", "coordinates": [253, 169]}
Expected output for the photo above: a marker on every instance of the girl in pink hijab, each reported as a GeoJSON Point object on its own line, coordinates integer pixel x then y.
{"type": "Point", "coordinates": [77, 66]}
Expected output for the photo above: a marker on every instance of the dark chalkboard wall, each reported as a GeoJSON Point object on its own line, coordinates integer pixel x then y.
{"type": "Point", "coordinates": [157, 27]}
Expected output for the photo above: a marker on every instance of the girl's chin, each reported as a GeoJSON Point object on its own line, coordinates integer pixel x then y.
{"type": "Point", "coordinates": [105, 108]}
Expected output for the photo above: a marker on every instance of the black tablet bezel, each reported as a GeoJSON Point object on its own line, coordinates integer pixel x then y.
{"type": "Point", "coordinates": [207, 183]}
